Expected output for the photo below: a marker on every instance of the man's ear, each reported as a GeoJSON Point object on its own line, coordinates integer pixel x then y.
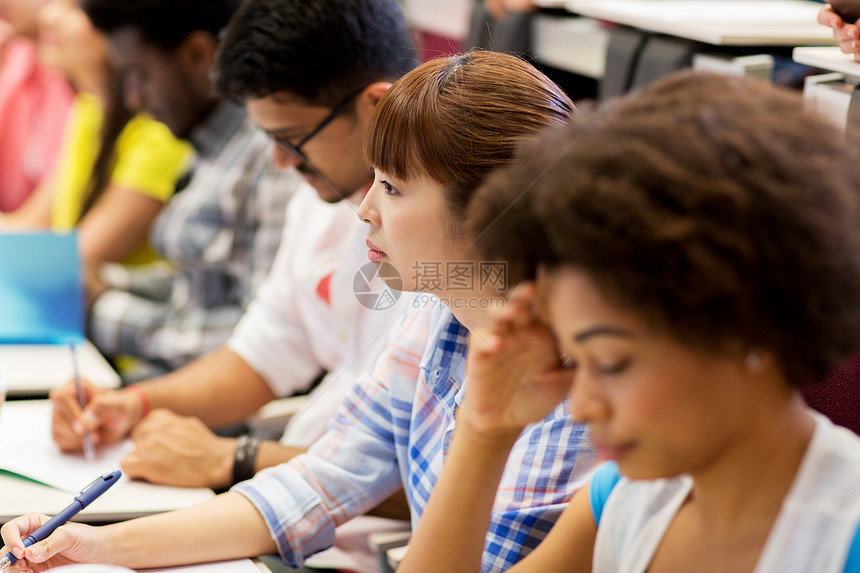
{"type": "Point", "coordinates": [197, 53]}
{"type": "Point", "coordinates": [368, 97]}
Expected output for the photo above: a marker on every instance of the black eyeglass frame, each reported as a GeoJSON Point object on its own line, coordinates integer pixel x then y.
{"type": "Point", "coordinates": [336, 111]}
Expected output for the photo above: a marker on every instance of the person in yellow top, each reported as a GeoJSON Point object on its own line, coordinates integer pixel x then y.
{"type": "Point", "coordinates": [147, 160]}
{"type": "Point", "coordinates": [115, 169]}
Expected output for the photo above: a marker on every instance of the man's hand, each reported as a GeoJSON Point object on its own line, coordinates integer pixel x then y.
{"type": "Point", "coordinates": [179, 450]}
{"type": "Point", "coordinates": [847, 34]}
{"type": "Point", "coordinates": [515, 375]}
{"type": "Point", "coordinates": [109, 415]}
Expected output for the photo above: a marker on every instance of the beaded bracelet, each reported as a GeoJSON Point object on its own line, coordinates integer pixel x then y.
{"type": "Point", "coordinates": [246, 455]}
{"type": "Point", "coordinates": [144, 399]}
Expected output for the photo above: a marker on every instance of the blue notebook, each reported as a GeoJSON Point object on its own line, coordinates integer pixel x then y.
{"type": "Point", "coordinates": [41, 291]}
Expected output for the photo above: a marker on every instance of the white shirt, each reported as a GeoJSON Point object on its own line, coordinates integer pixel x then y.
{"type": "Point", "coordinates": [812, 533]}
{"type": "Point", "coordinates": [307, 318]}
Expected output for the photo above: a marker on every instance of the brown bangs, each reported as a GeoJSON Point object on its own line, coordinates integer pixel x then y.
{"type": "Point", "coordinates": [455, 119]}
{"type": "Point", "coordinates": [404, 137]}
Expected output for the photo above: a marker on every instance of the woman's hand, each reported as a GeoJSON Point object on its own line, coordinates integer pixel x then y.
{"type": "Point", "coordinates": [69, 543]}
{"type": "Point", "coordinates": [514, 369]}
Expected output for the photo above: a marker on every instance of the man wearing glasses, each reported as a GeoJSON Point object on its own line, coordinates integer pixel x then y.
{"type": "Point", "coordinates": [338, 58]}
{"type": "Point", "coordinates": [330, 189]}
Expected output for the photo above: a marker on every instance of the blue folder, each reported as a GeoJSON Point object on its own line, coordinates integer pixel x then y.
{"type": "Point", "coordinates": [41, 291]}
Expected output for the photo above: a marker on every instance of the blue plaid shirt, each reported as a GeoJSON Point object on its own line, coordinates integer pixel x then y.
{"type": "Point", "coordinates": [394, 429]}
{"type": "Point", "coordinates": [220, 236]}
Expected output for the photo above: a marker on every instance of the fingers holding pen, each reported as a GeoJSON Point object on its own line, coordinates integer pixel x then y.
{"type": "Point", "coordinates": [117, 412]}
{"type": "Point", "coordinates": [14, 532]}
{"type": "Point", "coordinates": [69, 543]}
{"type": "Point", "coordinates": [107, 416]}
{"type": "Point", "coordinates": [43, 551]}
{"type": "Point", "coordinates": [57, 549]}
{"type": "Point", "coordinates": [66, 418]}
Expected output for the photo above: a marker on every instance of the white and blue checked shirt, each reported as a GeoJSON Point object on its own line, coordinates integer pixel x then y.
{"type": "Point", "coordinates": [220, 235]}
{"type": "Point", "coordinates": [394, 428]}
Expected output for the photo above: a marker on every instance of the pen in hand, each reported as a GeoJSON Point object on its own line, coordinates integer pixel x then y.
{"type": "Point", "coordinates": [89, 449]}
{"type": "Point", "coordinates": [86, 496]}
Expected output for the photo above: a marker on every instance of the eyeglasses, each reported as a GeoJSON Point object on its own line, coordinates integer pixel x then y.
{"type": "Point", "coordinates": [335, 112]}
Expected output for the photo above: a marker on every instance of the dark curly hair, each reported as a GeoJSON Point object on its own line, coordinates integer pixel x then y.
{"type": "Point", "coordinates": [317, 50]}
{"type": "Point", "coordinates": [714, 207]}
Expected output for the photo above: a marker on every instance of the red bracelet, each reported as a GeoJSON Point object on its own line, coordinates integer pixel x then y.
{"type": "Point", "coordinates": [144, 399]}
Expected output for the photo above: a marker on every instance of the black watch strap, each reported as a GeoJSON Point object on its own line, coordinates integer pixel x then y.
{"type": "Point", "coordinates": [246, 455]}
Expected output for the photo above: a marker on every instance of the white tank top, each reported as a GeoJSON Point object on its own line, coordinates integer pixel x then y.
{"type": "Point", "coordinates": [812, 533]}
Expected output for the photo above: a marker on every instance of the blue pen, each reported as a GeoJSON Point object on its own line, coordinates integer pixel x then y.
{"type": "Point", "coordinates": [87, 495]}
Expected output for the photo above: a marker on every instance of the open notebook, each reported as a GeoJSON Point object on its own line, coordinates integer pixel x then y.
{"type": "Point", "coordinates": [41, 312]}
{"type": "Point", "coordinates": [52, 477]}
{"type": "Point", "coordinates": [27, 451]}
